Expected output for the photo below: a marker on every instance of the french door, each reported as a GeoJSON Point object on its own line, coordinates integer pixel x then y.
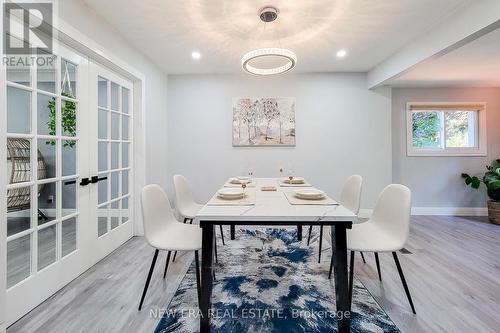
{"type": "Point", "coordinates": [69, 173]}
{"type": "Point", "coordinates": [111, 167]}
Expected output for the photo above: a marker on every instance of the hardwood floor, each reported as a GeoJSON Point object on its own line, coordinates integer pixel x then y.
{"type": "Point", "coordinates": [453, 273]}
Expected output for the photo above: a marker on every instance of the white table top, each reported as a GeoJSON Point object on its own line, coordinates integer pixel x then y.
{"type": "Point", "coordinates": [274, 206]}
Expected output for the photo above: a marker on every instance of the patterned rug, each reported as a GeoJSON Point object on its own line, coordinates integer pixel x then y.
{"type": "Point", "coordinates": [267, 281]}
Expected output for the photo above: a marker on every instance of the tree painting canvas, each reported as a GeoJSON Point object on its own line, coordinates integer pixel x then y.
{"type": "Point", "coordinates": [267, 121]}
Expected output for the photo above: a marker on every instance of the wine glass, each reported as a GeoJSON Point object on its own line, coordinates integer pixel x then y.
{"type": "Point", "coordinates": [290, 176]}
{"type": "Point", "coordinates": [243, 185]}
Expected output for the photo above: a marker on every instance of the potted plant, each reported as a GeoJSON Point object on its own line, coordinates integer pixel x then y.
{"type": "Point", "coordinates": [492, 181]}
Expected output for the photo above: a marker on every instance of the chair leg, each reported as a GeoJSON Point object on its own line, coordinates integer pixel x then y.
{"type": "Point", "coordinates": [309, 236]}
{"type": "Point", "coordinates": [299, 232]}
{"type": "Point", "coordinates": [198, 284]}
{"type": "Point", "coordinates": [320, 242]}
{"type": "Point", "coordinates": [166, 263]}
{"type": "Point", "coordinates": [148, 279]}
{"type": "Point", "coordinates": [351, 277]}
{"type": "Point", "coordinates": [191, 222]}
{"type": "Point", "coordinates": [215, 250]}
{"type": "Point", "coordinates": [378, 266]}
{"type": "Point", "coordinates": [175, 255]}
{"type": "Point", "coordinates": [331, 268]}
{"type": "Point", "coordinates": [222, 234]}
{"type": "Point", "coordinates": [363, 257]}
{"type": "Point", "coordinates": [405, 286]}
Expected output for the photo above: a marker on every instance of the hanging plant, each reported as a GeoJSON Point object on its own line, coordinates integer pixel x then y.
{"type": "Point", "coordinates": [68, 120]}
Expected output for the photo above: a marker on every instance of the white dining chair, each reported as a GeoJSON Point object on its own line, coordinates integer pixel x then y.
{"type": "Point", "coordinates": [187, 207]}
{"type": "Point", "coordinates": [163, 232]}
{"type": "Point", "coordinates": [350, 198]}
{"type": "Point", "coordinates": [386, 231]}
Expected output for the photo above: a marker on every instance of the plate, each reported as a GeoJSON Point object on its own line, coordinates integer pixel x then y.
{"type": "Point", "coordinates": [310, 194]}
{"type": "Point", "coordinates": [239, 180]}
{"type": "Point", "coordinates": [230, 193]}
{"type": "Point", "coordinates": [295, 180]}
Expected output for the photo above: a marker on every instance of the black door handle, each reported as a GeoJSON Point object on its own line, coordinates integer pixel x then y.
{"type": "Point", "coordinates": [96, 179]}
{"type": "Point", "coordinates": [85, 182]}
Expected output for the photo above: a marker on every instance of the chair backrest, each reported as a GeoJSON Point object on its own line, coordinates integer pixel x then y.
{"type": "Point", "coordinates": [183, 194]}
{"type": "Point", "coordinates": [156, 210]}
{"type": "Point", "coordinates": [392, 212]}
{"type": "Point", "coordinates": [350, 196]}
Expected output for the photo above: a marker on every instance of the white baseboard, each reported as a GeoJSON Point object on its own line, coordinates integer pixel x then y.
{"type": "Point", "coordinates": [450, 211]}
{"type": "Point", "coordinates": [453, 211]}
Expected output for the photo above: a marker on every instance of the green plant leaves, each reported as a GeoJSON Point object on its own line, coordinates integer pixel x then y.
{"type": "Point", "coordinates": [475, 183]}
{"type": "Point", "coordinates": [494, 185]}
{"type": "Point", "coordinates": [68, 120]}
{"type": "Point", "coordinates": [490, 176]}
{"type": "Point", "coordinates": [491, 179]}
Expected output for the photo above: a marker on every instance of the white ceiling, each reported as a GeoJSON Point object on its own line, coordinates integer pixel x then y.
{"type": "Point", "coordinates": [474, 64]}
{"type": "Point", "coordinates": [167, 31]}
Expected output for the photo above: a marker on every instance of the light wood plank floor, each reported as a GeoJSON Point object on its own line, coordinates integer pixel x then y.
{"type": "Point", "coordinates": [453, 274]}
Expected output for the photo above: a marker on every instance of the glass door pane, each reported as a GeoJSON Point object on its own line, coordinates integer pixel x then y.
{"type": "Point", "coordinates": [113, 146]}
{"type": "Point", "coordinates": [47, 133]}
{"type": "Point", "coordinates": [47, 155]}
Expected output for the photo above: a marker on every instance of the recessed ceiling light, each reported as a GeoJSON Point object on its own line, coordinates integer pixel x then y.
{"type": "Point", "coordinates": [196, 55]}
{"type": "Point", "coordinates": [341, 53]}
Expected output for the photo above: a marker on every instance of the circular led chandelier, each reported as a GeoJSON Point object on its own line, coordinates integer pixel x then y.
{"type": "Point", "coordinates": [267, 15]}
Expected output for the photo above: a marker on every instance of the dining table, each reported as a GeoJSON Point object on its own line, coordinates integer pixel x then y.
{"type": "Point", "coordinates": [271, 207]}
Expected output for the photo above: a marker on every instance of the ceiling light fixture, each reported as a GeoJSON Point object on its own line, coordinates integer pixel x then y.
{"type": "Point", "coordinates": [196, 55]}
{"type": "Point", "coordinates": [341, 53]}
{"type": "Point", "coordinates": [268, 14]}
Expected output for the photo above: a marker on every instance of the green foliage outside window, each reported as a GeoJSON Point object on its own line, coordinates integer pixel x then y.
{"type": "Point", "coordinates": [426, 130]}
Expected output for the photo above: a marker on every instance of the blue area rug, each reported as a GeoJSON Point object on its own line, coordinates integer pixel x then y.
{"type": "Point", "coordinates": [267, 281]}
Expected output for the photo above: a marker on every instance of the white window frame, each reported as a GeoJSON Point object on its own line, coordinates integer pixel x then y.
{"type": "Point", "coordinates": [481, 132]}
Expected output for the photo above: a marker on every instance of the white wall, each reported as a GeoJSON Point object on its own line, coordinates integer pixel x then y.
{"type": "Point", "coordinates": [436, 181]}
{"type": "Point", "coordinates": [342, 128]}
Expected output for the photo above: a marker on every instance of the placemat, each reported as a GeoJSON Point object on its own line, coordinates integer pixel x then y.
{"type": "Point", "coordinates": [282, 184]}
{"type": "Point", "coordinates": [228, 183]}
{"type": "Point", "coordinates": [293, 200]}
{"type": "Point", "coordinates": [247, 200]}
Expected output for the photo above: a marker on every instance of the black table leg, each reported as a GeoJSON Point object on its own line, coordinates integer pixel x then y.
{"type": "Point", "coordinates": [206, 276]}
{"type": "Point", "coordinates": [299, 232]}
{"type": "Point", "coordinates": [233, 232]}
{"type": "Point", "coordinates": [341, 284]}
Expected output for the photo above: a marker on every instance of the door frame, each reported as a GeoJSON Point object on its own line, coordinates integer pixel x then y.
{"type": "Point", "coordinates": [67, 35]}
{"type": "Point", "coordinates": [3, 192]}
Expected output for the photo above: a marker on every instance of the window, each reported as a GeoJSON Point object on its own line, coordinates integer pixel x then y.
{"type": "Point", "coordinates": [446, 129]}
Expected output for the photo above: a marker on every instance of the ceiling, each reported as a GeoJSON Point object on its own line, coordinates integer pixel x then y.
{"type": "Point", "coordinates": [474, 64]}
{"type": "Point", "coordinates": [167, 31]}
